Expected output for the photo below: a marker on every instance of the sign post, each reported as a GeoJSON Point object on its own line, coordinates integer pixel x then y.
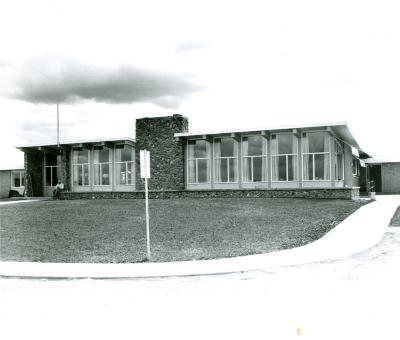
{"type": "Point", "coordinates": [145, 173]}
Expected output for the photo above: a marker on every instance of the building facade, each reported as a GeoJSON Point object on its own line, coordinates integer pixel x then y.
{"type": "Point", "coordinates": [12, 182]}
{"type": "Point", "coordinates": [296, 161]}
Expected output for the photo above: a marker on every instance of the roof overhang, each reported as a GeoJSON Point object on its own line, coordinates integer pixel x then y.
{"type": "Point", "coordinates": [340, 129]}
{"type": "Point", "coordinates": [64, 145]}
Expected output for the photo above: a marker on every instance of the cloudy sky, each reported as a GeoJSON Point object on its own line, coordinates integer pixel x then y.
{"type": "Point", "coordinates": [224, 64]}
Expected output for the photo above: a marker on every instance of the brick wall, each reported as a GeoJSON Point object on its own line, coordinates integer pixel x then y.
{"type": "Point", "coordinates": [5, 183]}
{"type": "Point", "coordinates": [391, 178]}
{"type": "Point", "coordinates": [166, 154]}
{"type": "Point", "coordinates": [34, 173]}
{"type": "Point", "coordinates": [331, 193]}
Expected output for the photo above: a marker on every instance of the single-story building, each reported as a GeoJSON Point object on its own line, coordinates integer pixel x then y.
{"type": "Point", "coordinates": [12, 182]}
{"type": "Point", "coordinates": [384, 175]}
{"type": "Point", "coordinates": [320, 160]}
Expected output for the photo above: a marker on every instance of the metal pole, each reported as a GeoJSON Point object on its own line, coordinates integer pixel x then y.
{"type": "Point", "coordinates": [147, 220]}
{"type": "Point", "coordinates": [58, 128]}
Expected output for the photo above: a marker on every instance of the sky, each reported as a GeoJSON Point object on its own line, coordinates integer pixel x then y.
{"type": "Point", "coordinates": [223, 64]}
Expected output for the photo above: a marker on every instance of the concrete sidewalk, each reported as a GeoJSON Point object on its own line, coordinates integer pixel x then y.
{"type": "Point", "coordinates": [358, 232]}
{"type": "Point", "coordinates": [23, 200]}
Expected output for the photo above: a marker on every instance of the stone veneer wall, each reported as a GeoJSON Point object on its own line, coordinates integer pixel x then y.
{"type": "Point", "coordinates": [166, 154]}
{"type": "Point", "coordinates": [63, 162]}
{"type": "Point", "coordinates": [331, 193]}
{"type": "Point", "coordinates": [33, 173]}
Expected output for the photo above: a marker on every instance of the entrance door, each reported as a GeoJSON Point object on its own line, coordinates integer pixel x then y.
{"type": "Point", "coordinates": [375, 174]}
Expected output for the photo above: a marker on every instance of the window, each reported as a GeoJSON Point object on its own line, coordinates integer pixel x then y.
{"type": "Point", "coordinates": [284, 157]}
{"type": "Point", "coordinates": [80, 167]}
{"type": "Point", "coordinates": [356, 167]}
{"type": "Point", "coordinates": [254, 149]}
{"type": "Point", "coordinates": [124, 165]}
{"type": "Point", "coordinates": [226, 160]}
{"type": "Point", "coordinates": [198, 161]}
{"type": "Point", "coordinates": [50, 167]}
{"type": "Point", "coordinates": [316, 156]}
{"type": "Point", "coordinates": [17, 179]}
{"type": "Point", "coordinates": [101, 165]}
{"type": "Point", "coordinates": [338, 160]}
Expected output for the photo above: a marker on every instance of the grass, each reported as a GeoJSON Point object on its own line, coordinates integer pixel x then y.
{"type": "Point", "coordinates": [395, 222]}
{"type": "Point", "coordinates": [114, 230]}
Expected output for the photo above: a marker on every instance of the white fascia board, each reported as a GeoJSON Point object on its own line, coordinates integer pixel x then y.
{"type": "Point", "coordinates": [274, 128]}
{"type": "Point", "coordinates": [114, 139]}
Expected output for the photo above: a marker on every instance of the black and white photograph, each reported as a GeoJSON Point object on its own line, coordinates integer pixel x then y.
{"type": "Point", "coordinates": [199, 169]}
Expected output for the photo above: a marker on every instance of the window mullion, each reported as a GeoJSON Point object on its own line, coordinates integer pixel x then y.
{"type": "Point", "coordinates": [252, 169]}
{"type": "Point", "coordinates": [314, 167]}
{"type": "Point", "coordinates": [287, 168]}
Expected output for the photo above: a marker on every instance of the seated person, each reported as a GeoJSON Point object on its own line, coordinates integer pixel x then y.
{"type": "Point", "coordinates": [58, 189]}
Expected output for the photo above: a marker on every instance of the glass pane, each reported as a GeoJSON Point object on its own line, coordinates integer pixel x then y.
{"type": "Point", "coordinates": [55, 177]}
{"type": "Point", "coordinates": [96, 174]}
{"type": "Point", "coordinates": [192, 171]}
{"type": "Point", "coordinates": [308, 167]}
{"type": "Point", "coordinates": [75, 174]}
{"type": "Point", "coordinates": [121, 173]}
{"type": "Point", "coordinates": [282, 168]}
{"type": "Point", "coordinates": [224, 170]}
{"type": "Point", "coordinates": [101, 156]}
{"type": "Point", "coordinates": [129, 173]}
{"type": "Point", "coordinates": [16, 179]}
{"type": "Point", "coordinates": [200, 149]}
{"type": "Point", "coordinates": [318, 142]}
{"type": "Point", "coordinates": [257, 169]}
{"type": "Point", "coordinates": [321, 167]}
{"type": "Point", "coordinates": [247, 169]}
{"type": "Point", "coordinates": [202, 168]}
{"type": "Point", "coordinates": [51, 159]}
{"type": "Point", "coordinates": [81, 156]}
{"type": "Point", "coordinates": [105, 174]}
{"type": "Point", "coordinates": [227, 147]}
{"type": "Point", "coordinates": [285, 143]}
{"type": "Point", "coordinates": [48, 176]}
{"type": "Point", "coordinates": [255, 145]}
{"type": "Point", "coordinates": [232, 169]}
{"type": "Point", "coordinates": [292, 168]}
{"type": "Point", "coordinates": [85, 174]}
{"type": "Point", "coordinates": [124, 154]}
{"type": "Point", "coordinates": [339, 167]}
{"type": "Point", "coordinates": [22, 179]}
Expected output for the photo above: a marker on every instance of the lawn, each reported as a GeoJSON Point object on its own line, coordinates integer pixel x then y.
{"type": "Point", "coordinates": [395, 222]}
{"type": "Point", "coordinates": [114, 230]}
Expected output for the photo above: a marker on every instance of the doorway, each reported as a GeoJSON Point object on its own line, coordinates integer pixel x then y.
{"type": "Point", "coordinates": [375, 174]}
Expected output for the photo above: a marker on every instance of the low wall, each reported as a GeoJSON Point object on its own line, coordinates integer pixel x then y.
{"type": "Point", "coordinates": [336, 193]}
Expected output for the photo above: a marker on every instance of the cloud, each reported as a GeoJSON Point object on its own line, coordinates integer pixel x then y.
{"type": "Point", "coordinates": [54, 80]}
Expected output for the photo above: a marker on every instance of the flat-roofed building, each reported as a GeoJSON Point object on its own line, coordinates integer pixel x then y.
{"type": "Point", "coordinates": [314, 160]}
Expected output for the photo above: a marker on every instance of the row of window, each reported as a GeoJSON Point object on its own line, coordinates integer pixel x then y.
{"type": "Point", "coordinates": [102, 166]}
{"type": "Point", "coordinates": [284, 158]}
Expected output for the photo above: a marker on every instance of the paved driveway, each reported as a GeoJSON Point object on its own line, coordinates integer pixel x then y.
{"type": "Point", "coordinates": [356, 297]}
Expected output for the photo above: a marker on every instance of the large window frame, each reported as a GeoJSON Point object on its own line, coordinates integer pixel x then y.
{"type": "Point", "coordinates": [326, 153]}
{"type": "Point", "coordinates": [356, 167]}
{"type": "Point", "coordinates": [262, 156]}
{"type": "Point", "coordinates": [127, 164]}
{"type": "Point", "coordinates": [100, 166]}
{"type": "Point", "coordinates": [53, 172]}
{"type": "Point", "coordinates": [20, 177]}
{"type": "Point", "coordinates": [339, 165]}
{"type": "Point", "coordinates": [81, 168]}
{"type": "Point", "coordinates": [219, 159]}
{"type": "Point", "coordinates": [193, 158]}
{"type": "Point", "coordinates": [293, 155]}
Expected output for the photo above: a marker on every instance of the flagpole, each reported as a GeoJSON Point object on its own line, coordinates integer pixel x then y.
{"type": "Point", "coordinates": [58, 128]}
